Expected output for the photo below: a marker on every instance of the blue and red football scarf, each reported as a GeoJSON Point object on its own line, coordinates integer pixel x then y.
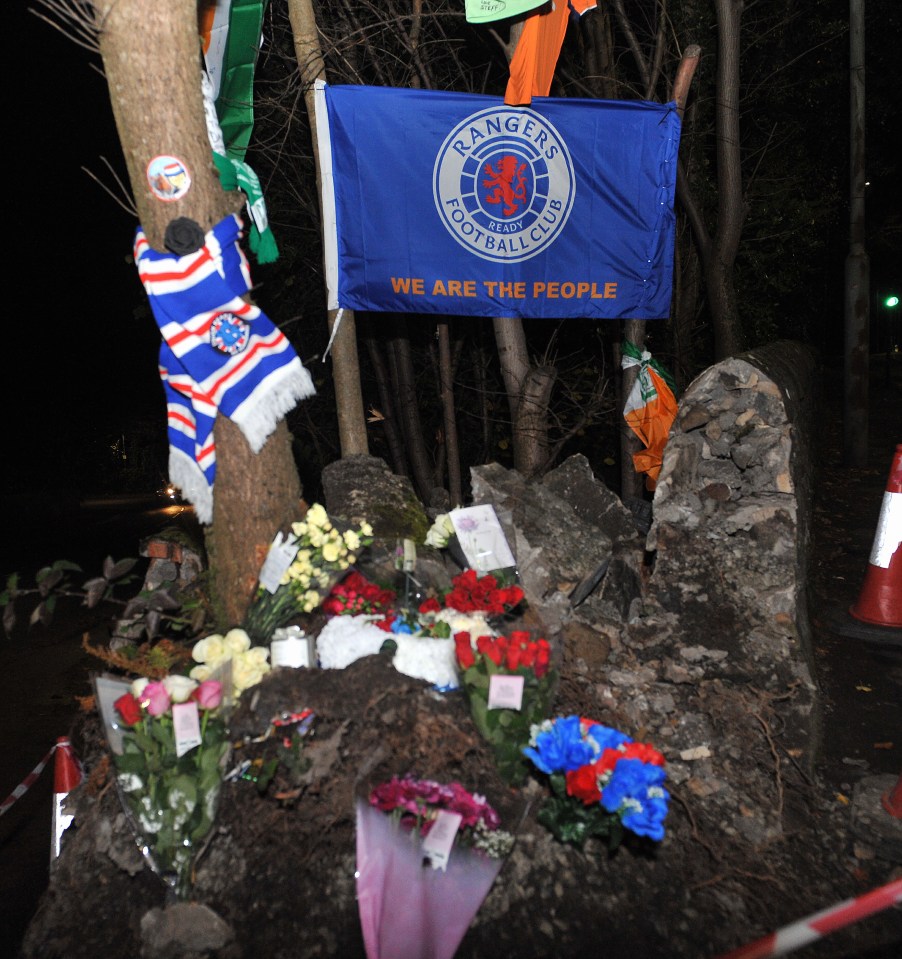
{"type": "Point", "coordinates": [219, 354]}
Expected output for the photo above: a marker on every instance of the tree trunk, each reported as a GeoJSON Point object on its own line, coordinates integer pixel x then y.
{"type": "Point", "coordinates": [151, 58]}
{"type": "Point", "coordinates": [730, 207]}
{"type": "Point", "coordinates": [408, 409]}
{"type": "Point", "coordinates": [513, 355]}
{"type": "Point", "coordinates": [345, 362]}
{"type": "Point", "coordinates": [452, 447]}
{"type": "Point", "coordinates": [532, 421]}
{"type": "Point", "coordinates": [389, 417]}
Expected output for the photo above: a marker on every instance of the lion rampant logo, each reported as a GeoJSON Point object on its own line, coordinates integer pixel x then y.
{"type": "Point", "coordinates": [500, 183]}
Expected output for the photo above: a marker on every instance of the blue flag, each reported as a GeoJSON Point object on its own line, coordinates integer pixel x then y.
{"type": "Point", "coordinates": [453, 203]}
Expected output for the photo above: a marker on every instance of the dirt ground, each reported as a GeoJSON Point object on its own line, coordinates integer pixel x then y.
{"type": "Point", "coordinates": [280, 869]}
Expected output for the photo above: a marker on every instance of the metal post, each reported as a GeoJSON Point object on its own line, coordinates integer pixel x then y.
{"type": "Point", "coordinates": [857, 335]}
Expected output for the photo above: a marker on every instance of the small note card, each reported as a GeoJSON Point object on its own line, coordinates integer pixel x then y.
{"type": "Point", "coordinates": [438, 842]}
{"type": "Point", "coordinates": [505, 692]}
{"type": "Point", "coordinates": [186, 726]}
{"type": "Point", "coordinates": [280, 556]}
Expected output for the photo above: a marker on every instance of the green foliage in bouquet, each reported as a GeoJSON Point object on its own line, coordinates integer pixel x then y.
{"type": "Point", "coordinates": [573, 822]}
{"type": "Point", "coordinates": [507, 730]}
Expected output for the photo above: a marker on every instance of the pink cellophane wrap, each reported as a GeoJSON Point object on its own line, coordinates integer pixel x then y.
{"type": "Point", "coordinates": [408, 910]}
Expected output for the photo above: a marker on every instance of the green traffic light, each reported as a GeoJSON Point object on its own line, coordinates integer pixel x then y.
{"type": "Point", "coordinates": [891, 301]}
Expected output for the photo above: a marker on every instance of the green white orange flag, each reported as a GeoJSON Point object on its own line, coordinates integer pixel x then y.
{"type": "Point", "coordinates": [231, 31]}
{"type": "Point", "coordinates": [650, 410]}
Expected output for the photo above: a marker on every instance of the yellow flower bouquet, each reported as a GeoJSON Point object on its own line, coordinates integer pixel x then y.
{"type": "Point", "coordinates": [323, 554]}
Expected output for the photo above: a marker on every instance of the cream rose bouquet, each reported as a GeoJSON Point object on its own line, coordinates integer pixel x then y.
{"type": "Point", "coordinates": [249, 664]}
{"type": "Point", "coordinates": [324, 554]}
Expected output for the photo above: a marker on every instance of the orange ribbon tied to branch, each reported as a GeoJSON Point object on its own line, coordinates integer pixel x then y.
{"type": "Point", "coordinates": [650, 410]}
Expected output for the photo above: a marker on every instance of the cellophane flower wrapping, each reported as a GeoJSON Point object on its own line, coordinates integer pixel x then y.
{"type": "Point", "coordinates": [408, 909]}
{"type": "Point", "coordinates": [602, 781]}
{"type": "Point", "coordinates": [170, 800]}
{"type": "Point", "coordinates": [324, 556]}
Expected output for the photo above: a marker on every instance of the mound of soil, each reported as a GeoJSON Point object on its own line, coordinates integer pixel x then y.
{"type": "Point", "coordinates": [280, 868]}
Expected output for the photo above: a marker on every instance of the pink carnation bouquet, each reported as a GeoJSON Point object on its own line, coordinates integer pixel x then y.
{"type": "Point", "coordinates": [407, 825]}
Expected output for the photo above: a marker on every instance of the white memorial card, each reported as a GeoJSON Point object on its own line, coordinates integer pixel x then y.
{"type": "Point", "coordinates": [505, 692]}
{"type": "Point", "coordinates": [438, 842]}
{"type": "Point", "coordinates": [481, 538]}
{"type": "Point", "coordinates": [280, 556]}
{"type": "Point", "coordinates": [186, 727]}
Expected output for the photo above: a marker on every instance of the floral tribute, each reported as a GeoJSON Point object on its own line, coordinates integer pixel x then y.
{"type": "Point", "coordinates": [415, 803]}
{"type": "Point", "coordinates": [441, 532]}
{"type": "Point", "coordinates": [420, 638]}
{"type": "Point", "coordinates": [602, 782]}
{"type": "Point", "coordinates": [249, 664]}
{"type": "Point", "coordinates": [470, 602]}
{"type": "Point", "coordinates": [355, 595]}
{"type": "Point", "coordinates": [508, 730]}
{"type": "Point", "coordinates": [170, 783]}
{"type": "Point", "coordinates": [407, 910]}
{"type": "Point", "coordinates": [471, 592]}
{"type": "Point", "coordinates": [324, 555]}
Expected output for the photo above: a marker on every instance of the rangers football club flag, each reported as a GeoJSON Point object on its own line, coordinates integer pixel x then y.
{"type": "Point", "coordinates": [453, 203]}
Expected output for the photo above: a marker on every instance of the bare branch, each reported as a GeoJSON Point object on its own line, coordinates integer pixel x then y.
{"type": "Point", "coordinates": [124, 199]}
{"type": "Point", "coordinates": [74, 19]}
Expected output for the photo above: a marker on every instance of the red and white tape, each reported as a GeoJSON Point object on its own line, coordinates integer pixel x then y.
{"type": "Point", "coordinates": [820, 924]}
{"type": "Point", "coordinates": [26, 783]}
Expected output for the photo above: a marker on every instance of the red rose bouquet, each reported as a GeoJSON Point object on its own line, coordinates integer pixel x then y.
{"type": "Point", "coordinates": [355, 595]}
{"type": "Point", "coordinates": [468, 605]}
{"type": "Point", "coordinates": [509, 684]}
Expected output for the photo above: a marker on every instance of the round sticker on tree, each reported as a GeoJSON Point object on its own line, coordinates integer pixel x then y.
{"type": "Point", "coordinates": [168, 178]}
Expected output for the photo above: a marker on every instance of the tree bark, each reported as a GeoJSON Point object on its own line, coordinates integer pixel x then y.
{"type": "Point", "coordinates": [513, 356]}
{"type": "Point", "coordinates": [389, 417]}
{"type": "Point", "coordinates": [452, 448]}
{"type": "Point", "coordinates": [151, 57]}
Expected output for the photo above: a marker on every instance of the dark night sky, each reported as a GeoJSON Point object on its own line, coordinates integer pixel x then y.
{"type": "Point", "coordinates": [81, 357]}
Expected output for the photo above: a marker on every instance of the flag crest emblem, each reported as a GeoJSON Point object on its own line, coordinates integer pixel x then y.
{"type": "Point", "coordinates": [503, 184]}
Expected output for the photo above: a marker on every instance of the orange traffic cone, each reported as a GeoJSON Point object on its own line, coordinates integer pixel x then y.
{"type": "Point", "coordinates": [880, 600]}
{"type": "Point", "coordinates": [66, 776]}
